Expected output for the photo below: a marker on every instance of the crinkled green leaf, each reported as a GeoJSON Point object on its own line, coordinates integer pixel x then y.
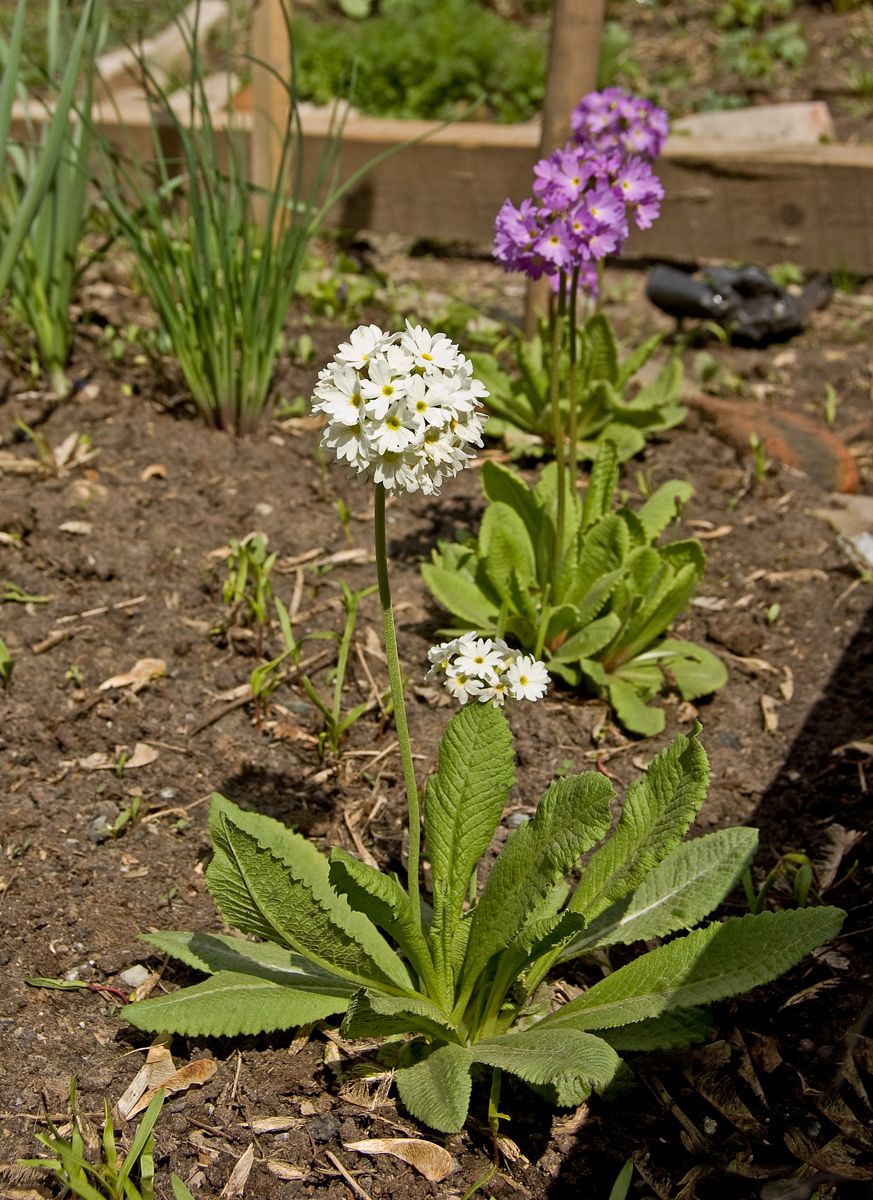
{"type": "Point", "coordinates": [603, 361]}
{"type": "Point", "coordinates": [506, 548]}
{"type": "Point", "coordinates": [705, 965]}
{"type": "Point", "coordinates": [381, 899]}
{"type": "Point", "coordinates": [234, 1003]}
{"type": "Point", "coordinates": [278, 901]}
{"type": "Point", "coordinates": [632, 711]}
{"type": "Point", "coordinates": [213, 952]}
{"type": "Point", "coordinates": [627, 440]}
{"type": "Point", "coordinates": [540, 1055]}
{"type": "Point", "coordinates": [695, 670]}
{"type": "Point", "coordinates": [670, 1031]}
{"type": "Point", "coordinates": [601, 485]}
{"type": "Point", "coordinates": [678, 894]}
{"type": "Point", "coordinates": [507, 487]}
{"type": "Point", "coordinates": [657, 812]}
{"type": "Point", "coordinates": [308, 865]}
{"type": "Point", "coordinates": [461, 596]}
{"type": "Point", "coordinates": [373, 1014]}
{"type": "Point", "coordinates": [660, 508]}
{"type": "Point", "coordinates": [638, 358]}
{"type": "Point", "coordinates": [588, 641]}
{"type": "Point", "coordinates": [434, 1084]}
{"type": "Point", "coordinates": [570, 818]}
{"type": "Point", "coordinates": [464, 802]}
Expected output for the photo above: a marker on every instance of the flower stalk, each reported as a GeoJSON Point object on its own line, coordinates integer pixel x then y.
{"type": "Point", "coordinates": [395, 676]}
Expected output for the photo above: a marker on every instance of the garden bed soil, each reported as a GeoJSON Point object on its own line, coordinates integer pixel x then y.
{"type": "Point", "coordinates": [777, 1105]}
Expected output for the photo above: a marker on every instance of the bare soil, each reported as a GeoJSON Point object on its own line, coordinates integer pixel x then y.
{"type": "Point", "coordinates": [778, 1105]}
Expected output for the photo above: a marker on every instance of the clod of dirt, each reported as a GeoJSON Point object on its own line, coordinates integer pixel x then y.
{"type": "Point", "coordinates": [738, 632]}
{"type": "Point", "coordinates": [324, 1127]}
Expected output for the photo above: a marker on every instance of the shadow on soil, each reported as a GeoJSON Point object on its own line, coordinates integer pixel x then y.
{"type": "Point", "coordinates": [670, 1125]}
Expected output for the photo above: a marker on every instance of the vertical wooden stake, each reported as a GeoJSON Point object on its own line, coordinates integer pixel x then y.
{"type": "Point", "coordinates": [270, 101]}
{"type": "Point", "coordinates": [573, 57]}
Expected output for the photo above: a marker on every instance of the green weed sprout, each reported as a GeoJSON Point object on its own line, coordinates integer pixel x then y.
{"type": "Point", "coordinates": [7, 664]}
{"type": "Point", "coordinates": [602, 617]}
{"type": "Point", "coordinates": [248, 585]}
{"type": "Point", "coordinates": [44, 208]}
{"type": "Point", "coordinates": [109, 1179]}
{"type": "Point", "coordinates": [335, 725]}
{"type": "Point", "coordinates": [460, 985]}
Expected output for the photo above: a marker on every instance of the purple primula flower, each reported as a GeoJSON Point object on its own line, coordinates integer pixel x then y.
{"type": "Point", "coordinates": [612, 117]}
{"type": "Point", "coordinates": [585, 193]}
{"type": "Point", "coordinates": [555, 246]}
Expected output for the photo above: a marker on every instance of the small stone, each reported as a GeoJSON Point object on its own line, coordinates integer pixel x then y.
{"type": "Point", "coordinates": [323, 1128]}
{"type": "Point", "coordinates": [709, 1126]}
{"type": "Point", "coordinates": [168, 793]}
{"type": "Point", "coordinates": [135, 975]}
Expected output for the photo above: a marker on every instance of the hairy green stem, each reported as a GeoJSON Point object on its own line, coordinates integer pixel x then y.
{"type": "Point", "coordinates": [573, 427]}
{"type": "Point", "coordinates": [396, 678]}
{"type": "Point", "coordinates": [556, 328]}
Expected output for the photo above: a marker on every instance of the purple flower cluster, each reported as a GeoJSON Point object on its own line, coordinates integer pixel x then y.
{"type": "Point", "coordinates": [613, 120]}
{"type": "Point", "coordinates": [585, 194]}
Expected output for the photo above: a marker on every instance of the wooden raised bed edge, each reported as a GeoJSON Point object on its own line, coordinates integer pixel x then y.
{"type": "Point", "coordinates": [744, 201]}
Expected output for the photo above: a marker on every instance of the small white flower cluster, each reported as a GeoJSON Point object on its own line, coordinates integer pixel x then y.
{"type": "Point", "coordinates": [404, 405]}
{"type": "Point", "coordinates": [487, 670]}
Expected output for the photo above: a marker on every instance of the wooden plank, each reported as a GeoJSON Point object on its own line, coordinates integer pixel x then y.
{"type": "Point", "coordinates": [271, 71]}
{"type": "Point", "coordinates": [574, 55]}
{"type": "Point", "coordinates": [812, 205]}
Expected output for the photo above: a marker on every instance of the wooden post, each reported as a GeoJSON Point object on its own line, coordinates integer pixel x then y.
{"type": "Point", "coordinates": [573, 57]}
{"type": "Point", "coordinates": [270, 100]}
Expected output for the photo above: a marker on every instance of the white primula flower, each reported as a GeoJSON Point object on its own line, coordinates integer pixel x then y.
{"type": "Point", "coordinates": [429, 349]}
{"type": "Point", "coordinates": [440, 656]}
{"type": "Point", "coordinates": [487, 670]}
{"type": "Point", "coordinates": [362, 344]}
{"type": "Point", "coordinates": [383, 388]}
{"type": "Point", "coordinates": [341, 398]}
{"type": "Point", "coordinates": [427, 404]}
{"type": "Point", "coordinates": [528, 678]}
{"type": "Point", "coordinates": [462, 687]}
{"type": "Point", "coordinates": [409, 418]}
{"type": "Point", "coordinates": [495, 692]}
{"type": "Point", "coordinates": [393, 433]}
{"type": "Point", "coordinates": [479, 657]}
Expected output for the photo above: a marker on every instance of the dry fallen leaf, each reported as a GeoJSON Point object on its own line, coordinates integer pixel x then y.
{"type": "Point", "coordinates": [10, 464]}
{"type": "Point", "coordinates": [275, 1124]}
{"type": "Point", "coordinates": [155, 1071]}
{"type": "Point", "coordinates": [770, 714]}
{"type": "Point", "coordinates": [83, 491]}
{"type": "Point", "coordinates": [283, 1170]}
{"type": "Point", "coordinates": [709, 535]}
{"type": "Point", "coordinates": [193, 1075]}
{"type": "Point", "coordinates": [80, 528]}
{"type": "Point", "coordinates": [236, 1185]}
{"type": "Point", "coordinates": [434, 1162]}
{"type": "Point", "coordinates": [786, 687]}
{"type": "Point", "coordinates": [710, 603]}
{"type": "Point", "coordinates": [142, 756]}
{"type": "Point", "coordinates": [142, 672]}
{"type": "Point", "coordinates": [153, 471]}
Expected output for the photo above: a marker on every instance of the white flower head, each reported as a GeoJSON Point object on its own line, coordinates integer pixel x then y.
{"type": "Point", "coordinates": [528, 678]}
{"type": "Point", "coordinates": [402, 406]}
{"type": "Point", "coordinates": [487, 670]}
{"type": "Point", "coordinates": [363, 343]}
